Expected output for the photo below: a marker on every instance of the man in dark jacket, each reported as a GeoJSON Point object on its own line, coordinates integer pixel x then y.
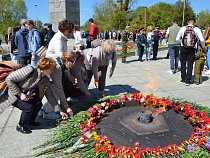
{"type": "Point", "coordinates": [50, 34]}
{"type": "Point", "coordinates": [141, 40]}
{"type": "Point", "coordinates": [156, 42]}
{"type": "Point", "coordinates": [22, 44]}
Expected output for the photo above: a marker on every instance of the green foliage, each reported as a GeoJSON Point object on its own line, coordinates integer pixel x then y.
{"type": "Point", "coordinates": [115, 15]}
{"type": "Point", "coordinates": [38, 24]}
{"type": "Point", "coordinates": [11, 11]}
{"type": "Point", "coordinates": [200, 153]}
{"type": "Point", "coordinates": [203, 19]}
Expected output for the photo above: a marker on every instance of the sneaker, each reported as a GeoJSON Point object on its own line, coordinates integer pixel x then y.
{"type": "Point", "coordinates": [197, 83]}
{"type": "Point", "coordinates": [170, 71]}
{"type": "Point", "coordinates": [182, 81]}
{"type": "Point", "coordinates": [176, 70]}
{"type": "Point", "coordinates": [187, 84]}
{"type": "Point", "coordinates": [23, 130]}
{"type": "Point", "coordinates": [74, 99]}
{"type": "Point", "coordinates": [207, 72]}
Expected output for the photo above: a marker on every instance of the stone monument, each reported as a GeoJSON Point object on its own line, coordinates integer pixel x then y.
{"type": "Point", "coordinates": [60, 9]}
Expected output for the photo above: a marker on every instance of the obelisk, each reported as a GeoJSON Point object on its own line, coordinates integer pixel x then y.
{"type": "Point", "coordinates": [60, 9]}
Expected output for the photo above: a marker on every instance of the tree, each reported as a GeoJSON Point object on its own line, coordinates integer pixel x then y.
{"type": "Point", "coordinates": [203, 19]}
{"type": "Point", "coordinates": [178, 8]}
{"type": "Point", "coordinates": [103, 15]}
{"type": "Point", "coordinates": [11, 11]}
{"type": "Point", "coordinates": [112, 14]}
{"type": "Point", "coordinates": [38, 24]}
{"type": "Point", "coordinates": [160, 15]}
{"type": "Point", "coordinates": [122, 12]}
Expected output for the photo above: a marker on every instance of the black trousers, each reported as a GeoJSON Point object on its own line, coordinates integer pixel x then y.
{"type": "Point", "coordinates": [29, 110]}
{"type": "Point", "coordinates": [71, 90]}
{"type": "Point", "coordinates": [155, 50]}
{"type": "Point", "coordinates": [25, 60]}
{"type": "Point", "coordinates": [187, 57]}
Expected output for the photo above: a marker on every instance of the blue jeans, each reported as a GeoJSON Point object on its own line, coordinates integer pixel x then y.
{"type": "Point", "coordinates": [208, 58]}
{"type": "Point", "coordinates": [34, 62]}
{"type": "Point", "coordinates": [148, 49]}
{"type": "Point", "coordinates": [174, 56]}
{"type": "Point", "coordinates": [14, 57]}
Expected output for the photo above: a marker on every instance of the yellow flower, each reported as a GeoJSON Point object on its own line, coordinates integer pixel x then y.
{"type": "Point", "coordinates": [95, 136]}
{"type": "Point", "coordinates": [180, 148]}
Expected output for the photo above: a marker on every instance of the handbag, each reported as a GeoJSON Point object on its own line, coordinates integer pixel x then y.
{"type": "Point", "coordinates": [41, 52]}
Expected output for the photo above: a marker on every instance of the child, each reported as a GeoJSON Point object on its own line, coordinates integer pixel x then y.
{"type": "Point", "coordinates": [199, 65]}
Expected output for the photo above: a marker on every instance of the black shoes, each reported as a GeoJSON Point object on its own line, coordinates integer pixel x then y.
{"type": "Point", "coordinates": [34, 124]}
{"type": "Point", "coordinates": [197, 83]}
{"type": "Point", "coordinates": [124, 62]}
{"type": "Point", "coordinates": [23, 130]}
{"type": "Point", "coordinates": [182, 81]}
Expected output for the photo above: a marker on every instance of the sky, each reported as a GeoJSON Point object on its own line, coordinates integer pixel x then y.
{"type": "Point", "coordinates": [86, 8]}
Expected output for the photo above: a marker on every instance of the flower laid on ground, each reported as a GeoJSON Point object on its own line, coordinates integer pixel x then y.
{"type": "Point", "coordinates": [129, 47]}
{"type": "Point", "coordinates": [198, 145]}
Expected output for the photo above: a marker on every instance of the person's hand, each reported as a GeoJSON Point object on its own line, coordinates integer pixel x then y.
{"type": "Point", "coordinates": [72, 79]}
{"type": "Point", "coordinates": [96, 83]}
{"type": "Point", "coordinates": [64, 115]}
{"type": "Point", "coordinates": [33, 58]}
{"type": "Point", "coordinates": [69, 111]}
{"type": "Point", "coordinates": [87, 94]}
{"type": "Point", "coordinates": [205, 49]}
{"type": "Point", "coordinates": [23, 97]}
{"type": "Point", "coordinates": [143, 45]}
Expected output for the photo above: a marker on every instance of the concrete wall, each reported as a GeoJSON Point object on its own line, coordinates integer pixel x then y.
{"type": "Point", "coordinates": [60, 9]}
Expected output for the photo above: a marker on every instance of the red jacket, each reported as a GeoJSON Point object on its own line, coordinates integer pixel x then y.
{"type": "Point", "coordinates": [93, 31]}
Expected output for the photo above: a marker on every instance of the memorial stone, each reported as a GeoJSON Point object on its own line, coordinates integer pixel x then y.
{"type": "Point", "coordinates": [60, 9]}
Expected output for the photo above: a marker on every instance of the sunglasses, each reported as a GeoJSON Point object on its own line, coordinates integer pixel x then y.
{"type": "Point", "coordinates": [73, 62]}
{"type": "Point", "coordinates": [69, 31]}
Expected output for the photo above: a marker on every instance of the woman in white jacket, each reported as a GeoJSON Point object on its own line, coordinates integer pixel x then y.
{"type": "Point", "coordinates": [56, 48]}
{"type": "Point", "coordinates": [79, 43]}
{"type": "Point", "coordinates": [58, 44]}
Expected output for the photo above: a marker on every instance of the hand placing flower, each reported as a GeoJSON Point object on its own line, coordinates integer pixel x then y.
{"type": "Point", "coordinates": [63, 115]}
{"type": "Point", "coordinates": [69, 111]}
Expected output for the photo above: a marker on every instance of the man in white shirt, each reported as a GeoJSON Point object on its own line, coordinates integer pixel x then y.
{"type": "Point", "coordinates": [187, 52]}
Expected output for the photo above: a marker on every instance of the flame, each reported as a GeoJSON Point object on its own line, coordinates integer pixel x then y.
{"type": "Point", "coordinates": [151, 88]}
{"type": "Point", "coordinates": [152, 85]}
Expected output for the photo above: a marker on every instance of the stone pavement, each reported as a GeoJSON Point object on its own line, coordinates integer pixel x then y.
{"type": "Point", "coordinates": [143, 77]}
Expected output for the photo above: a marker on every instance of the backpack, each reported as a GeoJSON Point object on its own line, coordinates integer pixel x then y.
{"type": "Point", "coordinates": [189, 37]}
{"type": "Point", "coordinates": [6, 67]}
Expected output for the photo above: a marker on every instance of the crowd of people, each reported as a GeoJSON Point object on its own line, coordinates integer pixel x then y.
{"type": "Point", "coordinates": [64, 74]}
{"type": "Point", "coordinates": [187, 43]}
{"type": "Point", "coordinates": [60, 75]}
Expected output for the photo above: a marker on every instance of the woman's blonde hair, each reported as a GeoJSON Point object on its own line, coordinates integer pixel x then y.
{"type": "Point", "coordinates": [9, 30]}
{"type": "Point", "coordinates": [108, 46]}
{"type": "Point", "coordinates": [46, 63]}
{"type": "Point", "coordinates": [207, 32]}
{"type": "Point", "coordinates": [148, 29]}
{"type": "Point", "coordinates": [68, 55]}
